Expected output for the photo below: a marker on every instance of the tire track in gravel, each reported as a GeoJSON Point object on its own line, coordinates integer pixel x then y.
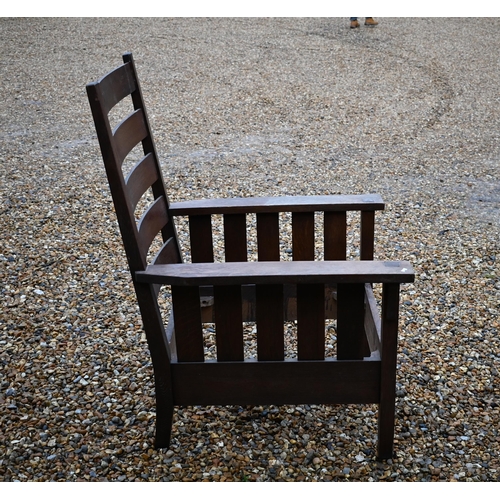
{"type": "Point", "coordinates": [431, 67]}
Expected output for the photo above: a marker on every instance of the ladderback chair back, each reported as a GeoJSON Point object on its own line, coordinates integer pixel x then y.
{"type": "Point", "coordinates": [146, 175]}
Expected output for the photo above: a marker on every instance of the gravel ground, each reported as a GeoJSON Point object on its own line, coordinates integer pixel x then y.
{"type": "Point", "coordinates": [242, 107]}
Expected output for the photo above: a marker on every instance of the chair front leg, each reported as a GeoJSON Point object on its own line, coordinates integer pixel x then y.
{"type": "Point", "coordinates": [387, 405]}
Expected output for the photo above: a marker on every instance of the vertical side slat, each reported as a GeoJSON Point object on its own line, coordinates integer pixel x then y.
{"type": "Point", "coordinates": [367, 235]}
{"type": "Point", "coordinates": [390, 314]}
{"type": "Point", "coordinates": [303, 235]}
{"type": "Point", "coordinates": [235, 237]}
{"type": "Point", "coordinates": [268, 238]}
{"type": "Point", "coordinates": [200, 233]}
{"type": "Point", "coordinates": [350, 321]}
{"type": "Point", "coordinates": [311, 321]}
{"type": "Point", "coordinates": [269, 316]}
{"type": "Point", "coordinates": [228, 323]}
{"type": "Point", "coordinates": [335, 229]}
{"type": "Point", "coordinates": [187, 323]}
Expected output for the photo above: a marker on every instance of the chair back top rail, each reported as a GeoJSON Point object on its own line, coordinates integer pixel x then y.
{"type": "Point", "coordinates": [240, 273]}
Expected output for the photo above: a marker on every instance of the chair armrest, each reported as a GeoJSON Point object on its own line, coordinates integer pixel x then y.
{"type": "Point", "coordinates": [278, 204]}
{"type": "Point", "coordinates": [300, 272]}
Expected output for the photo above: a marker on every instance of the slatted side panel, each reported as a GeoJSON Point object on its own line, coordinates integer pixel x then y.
{"type": "Point", "coordinates": [268, 237]}
{"type": "Point", "coordinates": [187, 323]}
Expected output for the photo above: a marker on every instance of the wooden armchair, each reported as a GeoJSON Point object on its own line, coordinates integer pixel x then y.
{"type": "Point", "coordinates": [266, 291]}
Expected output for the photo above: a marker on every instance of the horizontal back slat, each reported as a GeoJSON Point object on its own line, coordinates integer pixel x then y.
{"type": "Point", "coordinates": [168, 253]}
{"type": "Point", "coordinates": [130, 132]}
{"type": "Point", "coordinates": [116, 85]}
{"type": "Point", "coordinates": [151, 223]}
{"type": "Point", "coordinates": [142, 176]}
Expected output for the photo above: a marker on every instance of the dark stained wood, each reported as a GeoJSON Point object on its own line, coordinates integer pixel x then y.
{"type": "Point", "coordinates": [270, 329]}
{"type": "Point", "coordinates": [390, 315]}
{"type": "Point", "coordinates": [200, 234]}
{"type": "Point", "coordinates": [115, 86]}
{"type": "Point", "coordinates": [367, 235]}
{"type": "Point", "coordinates": [235, 237]}
{"type": "Point", "coordinates": [237, 289]}
{"type": "Point", "coordinates": [187, 321]}
{"type": "Point", "coordinates": [167, 253]}
{"type": "Point", "coordinates": [130, 132]}
{"type": "Point", "coordinates": [226, 273]}
{"type": "Point", "coordinates": [372, 320]}
{"type": "Point", "coordinates": [277, 383]}
{"type": "Point", "coordinates": [350, 320]}
{"type": "Point", "coordinates": [268, 236]}
{"type": "Point", "coordinates": [311, 321]}
{"type": "Point", "coordinates": [303, 235]}
{"type": "Point", "coordinates": [278, 204]}
{"type": "Point", "coordinates": [335, 235]}
{"type": "Point", "coordinates": [228, 323]}
{"type": "Point", "coordinates": [151, 223]}
{"type": "Point", "coordinates": [141, 178]}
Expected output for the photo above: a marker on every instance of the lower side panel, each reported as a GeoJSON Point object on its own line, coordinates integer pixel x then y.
{"type": "Point", "coordinates": [276, 382]}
